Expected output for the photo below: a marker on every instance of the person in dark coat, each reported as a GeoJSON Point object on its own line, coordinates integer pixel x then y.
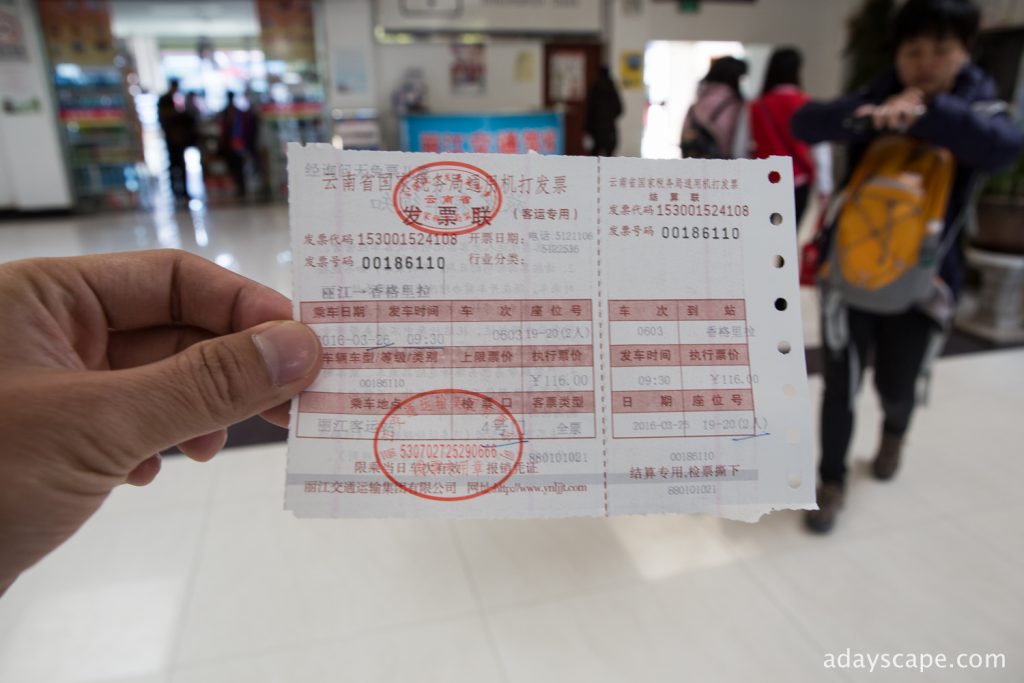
{"type": "Point", "coordinates": [234, 139]}
{"type": "Point", "coordinates": [934, 94]}
{"type": "Point", "coordinates": [604, 106]}
{"type": "Point", "coordinates": [177, 136]}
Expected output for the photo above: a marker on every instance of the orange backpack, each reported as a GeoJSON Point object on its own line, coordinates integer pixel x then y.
{"type": "Point", "coordinates": [888, 242]}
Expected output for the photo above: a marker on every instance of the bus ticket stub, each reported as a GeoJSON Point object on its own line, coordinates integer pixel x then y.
{"type": "Point", "coordinates": [543, 336]}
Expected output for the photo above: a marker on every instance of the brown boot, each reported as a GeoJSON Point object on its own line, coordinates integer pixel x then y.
{"type": "Point", "coordinates": [830, 501]}
{"type": "Point", "coordinates": [887, 461]}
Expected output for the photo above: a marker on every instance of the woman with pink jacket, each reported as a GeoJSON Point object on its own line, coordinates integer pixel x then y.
{"type": "Point", "coordinates": [713, 125]}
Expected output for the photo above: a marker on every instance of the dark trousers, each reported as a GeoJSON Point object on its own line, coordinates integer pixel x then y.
{"type": "Point", "coordinates": [236, 166]}
{"type": "Point", "coordinates": [176, 169]}
{"type": "Point", "coordinates": [604, 145]}
{"type": "Point", "coordinates": [898, 344]}
{"type": "Point", "coordinates": [801, 195]}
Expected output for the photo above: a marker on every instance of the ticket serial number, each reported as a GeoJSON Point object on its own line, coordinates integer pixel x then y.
{"type": "Point", "coordinates": [676, 232]}
{"type": "Point", "coordinates": [401, 239]}
{"type": "Point", "coordinates": [403, 263]}
{"type": "Point", "coordinates": [703, 210]}
{"type": "Point", "coordinates": [698, 489]}
{"type": "Point", "coordinates": [447, 451]}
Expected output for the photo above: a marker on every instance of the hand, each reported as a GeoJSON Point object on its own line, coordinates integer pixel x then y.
{"type": "Point", "coordinates": [107, 360]}
{"type": "Point", "coordinates": [898, 113]}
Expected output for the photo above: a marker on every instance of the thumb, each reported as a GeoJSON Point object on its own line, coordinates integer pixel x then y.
{"type": "Point", "coordinates": [216, 383]}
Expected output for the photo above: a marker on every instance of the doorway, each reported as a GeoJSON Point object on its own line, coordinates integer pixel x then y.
{"type": "Point", "coordinates": [569, 69]}
{"type": "Point", "coordinates": [672, 71]}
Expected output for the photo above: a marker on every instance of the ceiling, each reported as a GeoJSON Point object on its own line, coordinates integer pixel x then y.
{"type": "Point", "coordinates": [184, 19]}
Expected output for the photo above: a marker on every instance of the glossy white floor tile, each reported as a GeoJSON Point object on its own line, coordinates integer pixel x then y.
{"type": "Point", "coordinates": [106, 606]}
{"type": "Point", "coordinates": [251, 240]}
{"type": "Point", "coordinates": [438, 652]}
{"type": "Point", "coordinates": [926, 588]}
{"type": "Point", "coordinates": [267, 580]}
{"type": "Point", "coordinates": [712, 624]}
{"type": "Point", "coordinates": [202, 577]}
{"type": "Point", "coordinates": [524, 562]}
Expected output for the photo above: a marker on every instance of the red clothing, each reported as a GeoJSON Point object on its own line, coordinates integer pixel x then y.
{"type": "Point", "coordinates": [771, 134]}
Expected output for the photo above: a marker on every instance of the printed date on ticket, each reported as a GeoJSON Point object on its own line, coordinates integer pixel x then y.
{"type": "Point", "coordinates": [541, 336]}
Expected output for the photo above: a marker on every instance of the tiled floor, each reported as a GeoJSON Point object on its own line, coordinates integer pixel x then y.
{"type": "Point", "coordinates": [202, 578]}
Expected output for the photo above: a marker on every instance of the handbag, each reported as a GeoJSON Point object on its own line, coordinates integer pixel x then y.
{"type": "Point", "coordinates": [811, 252]}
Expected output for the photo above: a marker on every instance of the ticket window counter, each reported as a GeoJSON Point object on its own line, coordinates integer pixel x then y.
{"type": "Point", "coordinates": [503, 133]}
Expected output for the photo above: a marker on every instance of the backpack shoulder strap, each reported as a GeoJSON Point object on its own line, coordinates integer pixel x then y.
{"type": "Point", "coordinates": [974, 187]}
{"type": "Point", "coordinates": [720, 109]}
{"type": "Point", "coordinates": [962, 218]}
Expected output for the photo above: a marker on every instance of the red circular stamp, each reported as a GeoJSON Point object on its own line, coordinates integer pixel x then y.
{"type": "Point", "coordinates": [446, 198]}
{"type": "Point", "coordinates": [448, 445]}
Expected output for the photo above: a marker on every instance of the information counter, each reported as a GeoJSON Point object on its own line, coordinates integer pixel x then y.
{"type": "Point", "coordinates": [505, 133]}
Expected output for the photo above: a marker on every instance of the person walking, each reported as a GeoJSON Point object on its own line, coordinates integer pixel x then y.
{"type": "Point", "coordinates": [177, 136]}
{"type": "Point", "coordinates": [234, 143]}
{"type": "Point", "coordinates": [918, 138]}
{"type": "Point", "coordinates": [604, 107]}
{"type": "Point", "coordinates": [714, 127]}
{"type": "Point", "coordinates": [770, 114]}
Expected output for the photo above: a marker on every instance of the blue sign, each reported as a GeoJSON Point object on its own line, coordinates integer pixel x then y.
{"type": "Point", "coordinates": [483, 133]}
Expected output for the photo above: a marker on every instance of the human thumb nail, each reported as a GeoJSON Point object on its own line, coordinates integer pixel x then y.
{"type": "Point", "coordinates": [289, 351]}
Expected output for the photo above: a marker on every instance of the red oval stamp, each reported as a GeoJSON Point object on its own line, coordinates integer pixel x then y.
{"type": "Point", "coordinates": [446, 198]}
{"type": "Point", "coordinates": [448, 445]}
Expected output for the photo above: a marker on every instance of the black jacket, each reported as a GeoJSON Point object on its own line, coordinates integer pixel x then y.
{"type": "Point", "coordinates": [603, 106]}
{"type": "Point", "coordinates": [981, 138]}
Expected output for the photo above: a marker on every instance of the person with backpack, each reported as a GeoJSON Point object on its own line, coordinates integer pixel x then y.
{"type": "Point", "coordinates": [770, 133]}
{"type": "Point", "coordinates": [714, 127]}
{"type": "Point", "coordinates": [919, 137]}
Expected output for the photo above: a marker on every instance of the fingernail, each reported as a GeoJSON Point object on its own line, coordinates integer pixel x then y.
{"type": "Point", "coordinates": [289, 350]}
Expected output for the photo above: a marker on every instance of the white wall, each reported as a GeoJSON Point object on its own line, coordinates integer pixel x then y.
{"type": "Point", "coordinates": [502, 91]}
{"type": "Point", "coordinates": [349, 28]}
{"type": "Point", "coordinates": [816, 27]}
{"type": "Point", "coordinates": [32, 170]}
{"type": "Point", "coordinates": [184, 18]}
{"type": "Point", "coordinates": [509, 16]}
{"type": "Point", "coordinates": [6, 181]}
{"type": "Point", "coordinates": [1001, 13]}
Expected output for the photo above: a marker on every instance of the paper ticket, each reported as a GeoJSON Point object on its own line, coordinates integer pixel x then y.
{"type": "Point", "coordinates": [543, 336]}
